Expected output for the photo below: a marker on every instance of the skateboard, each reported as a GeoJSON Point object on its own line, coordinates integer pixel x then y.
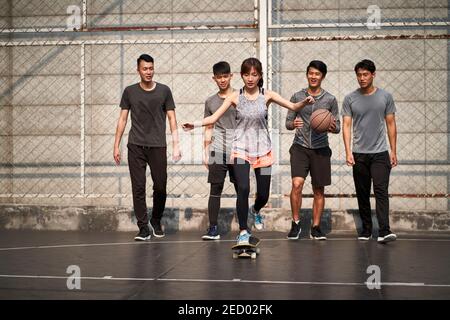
{"type": "Point", "coordinates": [250, 250]}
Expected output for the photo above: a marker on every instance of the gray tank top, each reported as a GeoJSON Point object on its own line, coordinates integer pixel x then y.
{"type": "Point", "coordinates": [251, 136]}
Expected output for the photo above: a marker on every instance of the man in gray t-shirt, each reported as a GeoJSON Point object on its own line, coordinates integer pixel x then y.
{"type": "Point", "coordinates": [149, 103]}
{"type": "Point", "coordinates": [371, 110]}
{"type": "Point", "coordinates": [222, 134]}
{"type": "Point", "coordinates": [217, 145]}
{"type": "Point", "coordinates": [310, 153]}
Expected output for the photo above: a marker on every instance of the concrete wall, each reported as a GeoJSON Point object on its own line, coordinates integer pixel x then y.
{"type": "Point", "coordinates": [98, 218]}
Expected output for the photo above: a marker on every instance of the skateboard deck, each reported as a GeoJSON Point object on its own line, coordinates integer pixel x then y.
{"type": "Point", "coordinates": [250, 250]}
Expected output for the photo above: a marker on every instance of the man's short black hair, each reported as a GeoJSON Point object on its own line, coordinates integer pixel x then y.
{"type": "Point", "coordinates": [319, 65]}
{"type": "Point", "coordinates": [366, 65]}
{"type": "Point", "coordinates": [221, 67]}
{"type": "Point", "coordinates": [145, 57]}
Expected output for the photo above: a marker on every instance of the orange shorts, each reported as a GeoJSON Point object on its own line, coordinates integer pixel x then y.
{"type": "Point", "coordinates": [256, 162]}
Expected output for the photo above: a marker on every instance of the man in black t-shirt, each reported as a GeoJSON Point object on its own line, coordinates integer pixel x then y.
{"type": "Point", "coordinates": [149, 102]}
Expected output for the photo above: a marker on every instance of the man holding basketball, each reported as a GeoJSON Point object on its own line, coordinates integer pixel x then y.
{"type": "Point", "coordinates": [368, 109]}
{"type": "Point", "coordinates": [310, 152]}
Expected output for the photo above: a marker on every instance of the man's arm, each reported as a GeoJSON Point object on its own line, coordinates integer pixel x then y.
{"type": "Point", "coordinates": [207, 136]}
{"type": "Point", "coordinates": [392, 135]}
{"type": "Point", "coordinates": [121, 124]}
{"type": "Point", "coordinates": [335, 113]}
{"type": "Point", "coordinates": [275, 97]}
{"type": "Point", "coordinates": [212, 119]}
{"type": "Point", "coordinates": [346, 128]}
{"type": "Point", "coordinates": [290, 117]}
{"type": "Point", "coordinates": [176, 156]}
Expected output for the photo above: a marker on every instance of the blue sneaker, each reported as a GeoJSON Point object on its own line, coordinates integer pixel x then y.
{"type": "Point", "coordinates": [259, 220]}
{"type": "Point", "coordinates": [243, 238]}
{"type": "Point", "coordinates": [212, 234]}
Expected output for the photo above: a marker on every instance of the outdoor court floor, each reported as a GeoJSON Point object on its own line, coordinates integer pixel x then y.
{"type": "Point", "coordinates": [45, 264]}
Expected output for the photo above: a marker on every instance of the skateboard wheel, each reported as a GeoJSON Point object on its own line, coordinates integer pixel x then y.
{"type": "Point", "coordinates": [253, 255]}
{"type": "Point", "coordinates": [258, 250]}
{"type": "Point", "coordinates": [235, 255]}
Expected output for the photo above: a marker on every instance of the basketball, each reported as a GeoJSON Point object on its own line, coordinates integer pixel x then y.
{"type": "Point", "coordinates": [320, 120]}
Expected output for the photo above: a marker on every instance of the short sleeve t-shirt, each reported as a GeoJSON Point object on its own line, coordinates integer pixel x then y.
{"type": "Point", "coordinates": [305, 136]}
{"type": "Point", "coordinates": [148, 114]}
{"type": "Point", "coordinates": [224, 127]}
{"type": "Point", "coordinates": [368, 113]}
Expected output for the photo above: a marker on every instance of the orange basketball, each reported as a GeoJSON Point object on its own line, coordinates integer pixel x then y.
{"type": "Point", "coordinates": [320, 120]}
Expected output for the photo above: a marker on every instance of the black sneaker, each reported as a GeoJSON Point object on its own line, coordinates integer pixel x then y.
{"type": "Point", "coordinates": [294, 234]}
{"type": "Point", "coordinates": [144, 234]}
{"type": "Point", "coordinates": [156, 227]}
{"type": "Point", "coordinates": [364, 236]}
{"type": "Point", "coordinates": [317, 234]}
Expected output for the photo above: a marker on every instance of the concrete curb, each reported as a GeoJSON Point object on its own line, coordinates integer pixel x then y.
{"type": "Point", "coordinates": [92, 218]}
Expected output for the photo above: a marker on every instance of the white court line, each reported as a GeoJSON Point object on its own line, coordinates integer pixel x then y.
{"type": "Point", "coordinates": [110, 244]}
{"type": "Point", "coordinates": [194, 241]}
{"type": "Point", "coordinates": [109, 278]}
{"type": "Point", "coordinates": [71, 277]}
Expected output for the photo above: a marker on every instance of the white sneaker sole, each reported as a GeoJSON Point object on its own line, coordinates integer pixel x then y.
{"type": "Point", "coordinates": [154, 234]}
{"type": "Point", "coordinates": [318, 238]}
{"type": "Point", "coordinates": [158, 236]}
{"type": "Point", "coordinates": [364, 238]}
{"type": "Point", "coordinates": [142, 238]}
{"type": "Point", "coordinates": [259, 226]}
{"type": "Point", "coordinates": [296, 237]}
{"type": "Point", "coordinates": [211, 237]}
{"type": "Point", "coordinates": [388, 238]}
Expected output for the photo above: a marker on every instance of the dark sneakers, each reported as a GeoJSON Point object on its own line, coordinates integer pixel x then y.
{"type": "Point", "coordinates": [388, 237]}
{"type": "Point", "coordinates": [212, 234]}
{"type": "Point", "coordinates": [157, 229]}
{"type": "Point", "coordinates": [144, 234]}
{"type": "Point", "coordinates": [317, 234]}
{"type": "Point", "coordinates": [294, 234]}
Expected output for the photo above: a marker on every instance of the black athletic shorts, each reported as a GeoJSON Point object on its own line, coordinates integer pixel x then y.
{"type": "Point", "coordinates": [219, 164]}
{"type": "Point", "coordinates": [315, 161]}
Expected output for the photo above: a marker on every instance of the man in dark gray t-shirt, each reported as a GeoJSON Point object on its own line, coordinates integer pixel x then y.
{"type": "Point", "coordinates": [371, 110]}
{"type": "Point", "coordinates": [148, 113]}
{"type": "Point", "coordinates": [149, 103]}
{"type": "Point", "coordinates": [217, 145]}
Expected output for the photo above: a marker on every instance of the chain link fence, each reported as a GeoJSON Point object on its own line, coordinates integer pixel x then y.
{"type": "Point", "coordinates": [408, 41]}
{"type": "Point", "coordinates": [64, 65]}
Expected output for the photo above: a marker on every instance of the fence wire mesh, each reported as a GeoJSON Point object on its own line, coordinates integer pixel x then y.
{"type": "Point", "coordinates": [358, 12]}
{"type": "Point", "coordinates": [59, 92]}
{"type": "Point", "coordinates": [412, 64]}
{"type": "Point", "coordinates": [36, 14]}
